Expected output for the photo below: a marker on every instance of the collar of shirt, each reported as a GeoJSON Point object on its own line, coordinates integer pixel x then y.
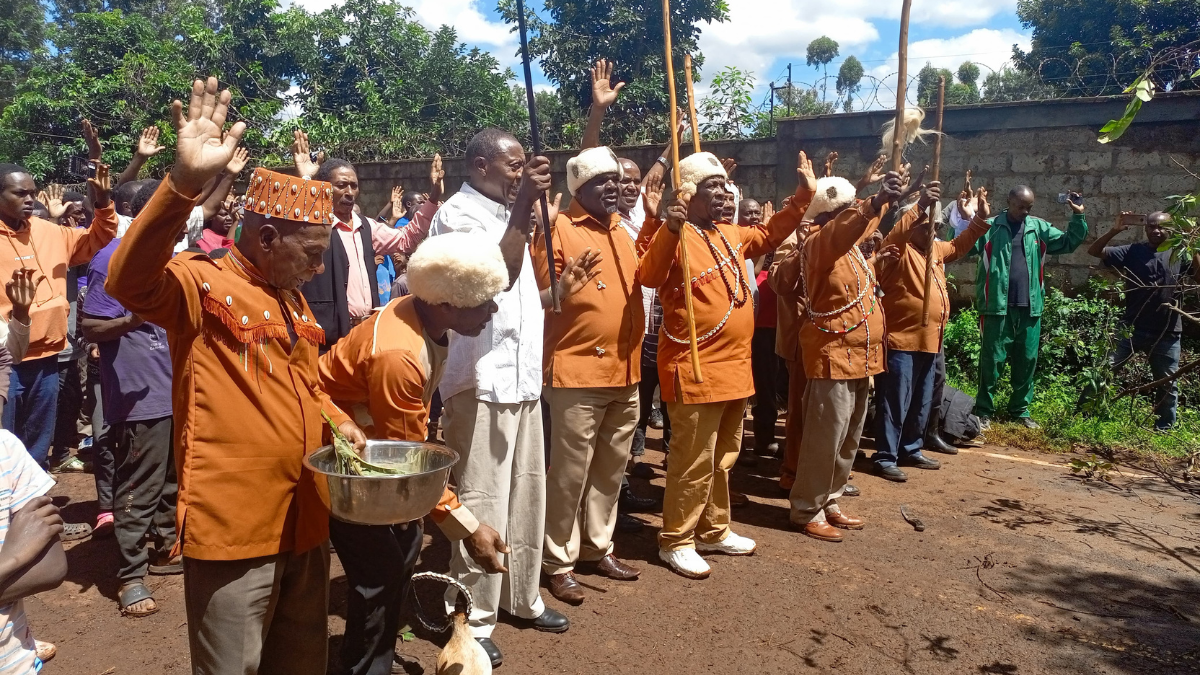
{"type": "Point", "coordinates": [495, 208]}
{"type": "Point", "coordinates": [357, 222]}
{"type": "Point", "coordinates": [579, 217]}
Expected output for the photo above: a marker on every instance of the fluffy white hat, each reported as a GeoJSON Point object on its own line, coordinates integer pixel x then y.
{"type": "Point", "coordinates": [698, 166]}
{"type": "Point", "coordinates": [457, 268]}
{"type": "Point", "coordinates": [833, 192]}
{"type": "Point", "coordinates": [588, 164]}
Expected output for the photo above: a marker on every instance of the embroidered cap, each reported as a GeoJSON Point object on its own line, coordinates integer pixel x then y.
{"type": "Point", "coordinates": [278, 195]}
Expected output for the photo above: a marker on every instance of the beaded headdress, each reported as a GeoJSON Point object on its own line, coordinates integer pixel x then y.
{"type": "Point", "coordinates": [278, 195]}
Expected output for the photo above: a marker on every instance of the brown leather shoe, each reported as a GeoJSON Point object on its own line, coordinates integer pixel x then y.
{"type": "Point", "coordinates": [820, 530]}
{"type": "Point", "coordinates": [843, 521]}
{"type": "Point", "coordinates": [565, 588]}
{"type": "Point", "coordinates": [610, 567]}
{"type": "Point", "coordinates": [738, 500]}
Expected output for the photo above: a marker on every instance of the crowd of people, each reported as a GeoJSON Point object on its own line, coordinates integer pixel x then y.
{"type": "Point", "coordinates": [209, 338]}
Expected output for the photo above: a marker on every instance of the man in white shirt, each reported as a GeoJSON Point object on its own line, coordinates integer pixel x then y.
{"type": "Point", "coordinates": [492, 386]}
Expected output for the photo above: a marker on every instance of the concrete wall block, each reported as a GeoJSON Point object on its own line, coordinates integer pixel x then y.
{"type": "Point", "coordinates": [1089, 161]}
{"type": "Point", "coordinates": [1119, 184]}
{"type": "Point", "coordinates": [1023, 162]}
{"type": "Point", "coordinates": [991, 164]}
{"type": "Point", "coordinates": [1173, 184]}
{"type": "Point", "coordinates": [1129, 159]}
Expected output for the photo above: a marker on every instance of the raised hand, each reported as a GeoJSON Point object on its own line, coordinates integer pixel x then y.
{"type": "Point", "coordinates": [237, 162]}
{"type": "Point", "coordinates": [677, 209]}
{"type": "Point", "coordinates": [203, 148]}
{"type": "Point", "coordinates": [967, 182]}
{"type": "Point", "coordinates": [604, 94]}
{"type": "Point", "coordinates": [147, 145]}
{"type": "Point", "coordinates": [889, 254]}
{"type": "Point", "coordinates": [652, 197]}
{"type": "Point", "coordinates": [804, 172]}
{"type": "Point", "coordinates": [484, 547]}
{"type": "Point", "coordinates": [300, 157]}
{"type": "Point", "coordinates": [397, 200]}
{"type": "Point", "coordinates": [909, 186]}
{"type": "Point", "coordinates": [729, 165]}
{"type": "Point", "coordinates": [768, 212]}
{"type": "Point", "coordinates": [830, 160]}
{"type": "Point", "coordinates": [874, 172]}
{"type": "Point", "coordinates": [930, 194]}
{"type": "Point", "coordinates": [889, 191]}
{"type": "Point", "coordinates": [54, 201]}
{"type": "Point", "coordinates": [100, 187]}
{"type": "Point", "coordinates": [535, 179]}
{"type": "Point", "coordinates": [21, 291]}
{"type": "Point", "coordinates": [577, 272]}
{"type": "Point", "coordinates": [552, 209]}
{"type": "Point", "coordinates": [92, 138]}
{"type": "Point", "coordinates": [983, 210]}
{"type": "Point", "coordinates": [436, 179]}
{"type": "Point", "coordinates": [1075, 208]}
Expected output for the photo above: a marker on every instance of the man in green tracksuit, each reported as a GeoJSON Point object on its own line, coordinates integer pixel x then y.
{"type": "Point", "coordinates": [1010, 295]}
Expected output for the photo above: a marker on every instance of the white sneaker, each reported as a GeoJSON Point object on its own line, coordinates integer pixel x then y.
{"type": "Point", "coordinates": [686, 562]}
{"type": "Point", "coordinates": [731, 545]}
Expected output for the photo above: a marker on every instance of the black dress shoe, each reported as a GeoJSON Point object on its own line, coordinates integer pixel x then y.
{"type": "Point", "coordinates": [920, 461]}
{"type": "Point", "coordinates": [631, 503]}
{"type": "Point", "coordinates": [643, 470]}
{"type": "Point", "coordinates": [936, 443]}
{"type": "Point", "coordinates": [746, 458]}
{"type": "Point", "coordinates": [851, 491]}
{"type": "Point", "coordinates": [551, 621]}
{"type": "Point", "coordinates": [492, 651]}
{"type": "Point", "coordinates": [628, 524]}
{"type": "Point", "coordinates": [771, 450]}
{"type": "Point", "coordinates": [891, 473]}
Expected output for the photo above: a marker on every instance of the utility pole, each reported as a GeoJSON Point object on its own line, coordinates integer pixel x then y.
{"type": "Point", "coordinates": [789, 91]}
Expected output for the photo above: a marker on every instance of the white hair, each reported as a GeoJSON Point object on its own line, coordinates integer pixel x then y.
{"type": "Point", "coordinates": [457, 268]}
{"type": "Point", "coordinates": [912, 130]}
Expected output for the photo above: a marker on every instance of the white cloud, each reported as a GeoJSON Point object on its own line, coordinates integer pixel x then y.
{"type": "Point", "coordinates": [990, 49]}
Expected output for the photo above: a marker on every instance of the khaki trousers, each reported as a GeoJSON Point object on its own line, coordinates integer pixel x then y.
{"type": "Point", "coordinates": [259, 616]}
{"type": "Point", "coordinates": [794, 425]}
{"type": "Point", "coordinates": [834, 411]}
{"type": "Point", "coordinates": [501, 478]}
{"type": "Point", "coordinates": [705, 440]}
{"type": "Point", "coordinates": [591, 436]}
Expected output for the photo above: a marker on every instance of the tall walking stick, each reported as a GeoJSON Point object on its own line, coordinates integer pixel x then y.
{"type": "Point", "coordinates": [683, 256]}
{"type": "Point", "coordinates": [536, 137]}
{"type": "Point", "coordinates": [936, 209]}
{"type": "Point", "coordinates": [901, 93]}
{"type": "Point", "coordinates": [691, 92]}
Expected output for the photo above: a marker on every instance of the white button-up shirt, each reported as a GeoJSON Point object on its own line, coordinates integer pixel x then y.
{"type": "Point", "coordinates": [503, 364]}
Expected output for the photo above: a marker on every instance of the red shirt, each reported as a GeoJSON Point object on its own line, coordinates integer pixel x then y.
{"type": "Point", "coordinates": [768, 311]}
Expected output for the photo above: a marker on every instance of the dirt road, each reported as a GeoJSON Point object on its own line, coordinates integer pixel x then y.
{"type": "Point", "coordinates": [1022, 569]}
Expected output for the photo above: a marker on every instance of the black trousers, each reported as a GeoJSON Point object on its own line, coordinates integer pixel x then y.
{"type": "Point", "coordinates": [765, 366]}
{"type": "Point", "coordinates": [646, 404]}
{"type": "Point", "coordinates": [379, 561]}
{"type": "Point", "coordinates": [939, 389]}
{"type": "Point", "coordinates": [146, 491]}
{"type": "Point", "coordinates": [104, 467]}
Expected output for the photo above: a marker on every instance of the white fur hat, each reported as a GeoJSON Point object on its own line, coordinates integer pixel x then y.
{"type": "Point", "coordinates": [457, 268]}
{"type": "Point", "coordinates": [588, 164]}
{"type": "Point", "coordinates": [698, 166]}
{"type": "Point", "coordinates": [833, 192]}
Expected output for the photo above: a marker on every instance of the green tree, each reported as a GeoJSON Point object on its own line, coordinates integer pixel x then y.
{"type": "Point", "coordinates": [1008, 84]}
{"type": "Point", "coordinates": [849, 80]}
{"type": "Point", "coordinates": [821, 52]}
{"type": "Point", "coordinates": [802, 102]}
{"type": "Point", "coordinates": [628, 33]}
{"type": "Point", "coordinates": [726, 110]}
{"type": "Point", "coordinates": [22, 37]}
{"type": "Point", "coordinates": [1096, 47]}
{"type": "Point", "coordinates": [963, 92]}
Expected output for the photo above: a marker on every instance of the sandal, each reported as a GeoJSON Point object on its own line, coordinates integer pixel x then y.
{"type": "Point", "coordinates": [131, 594]}
{"type": "Point", "coordinates": [75, 531]}
{"type": "Point", "coordinates": [44, 650]}
{"type": "Point", "coordinates": [171, 566]}
{"type": "Point", "coordinates": [104, 524]}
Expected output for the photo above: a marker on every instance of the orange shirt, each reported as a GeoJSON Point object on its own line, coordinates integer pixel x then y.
{"type": "Point", "coordinates": [49, 249]}
{"type": "Point", "coordinates": [246, 400]}
{"type": "Point", "coordinates": [385, 372]}
{"type": "Point", "coordinates": [841, 335]}
{"type": "Point", "coordinates": [903, 284]}
{"type": "Point", "coordinates": [724, 328]}
{"type": "Point", "coordinates": [597, 340]}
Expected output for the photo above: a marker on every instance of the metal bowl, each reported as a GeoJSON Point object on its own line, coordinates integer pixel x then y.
{"type": "Point", "coordinates": [384, 500]}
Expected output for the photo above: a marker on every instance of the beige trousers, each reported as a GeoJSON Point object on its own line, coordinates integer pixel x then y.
{"type": "Point", "coordinates": [834, 411]}
{"type": "Point", "coordinates": [591, 434]}
{"type": "Point", "coordinates": [259, 616]}
{"type": "Point", "coordinates": [705, 440]}
{"type": "Point", "coordinates": [501, 478]}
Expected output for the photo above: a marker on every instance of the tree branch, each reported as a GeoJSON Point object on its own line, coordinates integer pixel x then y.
{"type": "Point", "coordinates": [1159, 382]}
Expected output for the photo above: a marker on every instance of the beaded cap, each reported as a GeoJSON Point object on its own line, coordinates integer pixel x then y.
{"type": "Point", "coordinates": [278, 195]}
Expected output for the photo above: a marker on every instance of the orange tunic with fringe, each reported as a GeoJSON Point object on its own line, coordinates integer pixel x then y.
{"type": "Point", "coordinates": [246, 399]}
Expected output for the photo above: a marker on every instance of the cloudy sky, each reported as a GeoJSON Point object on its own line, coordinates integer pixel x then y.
{"type": "Point", "coordinates": [763, 36]}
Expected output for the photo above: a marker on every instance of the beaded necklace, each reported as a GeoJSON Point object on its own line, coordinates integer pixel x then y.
{"type": "Point", "coordinates": [739, 283]}
{"type": "Point", "coordinates": [861, 289]}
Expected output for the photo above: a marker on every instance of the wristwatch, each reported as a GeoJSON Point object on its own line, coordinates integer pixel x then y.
{"type": "Point", "coordinates": [661, 160]}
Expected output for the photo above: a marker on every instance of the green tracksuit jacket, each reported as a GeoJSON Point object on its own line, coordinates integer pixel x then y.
{"type": "Point", "coordinates": [995, 257]}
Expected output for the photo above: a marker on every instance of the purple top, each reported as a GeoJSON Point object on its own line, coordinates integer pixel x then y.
{"type": "Point", "coordinates": [135, 369]}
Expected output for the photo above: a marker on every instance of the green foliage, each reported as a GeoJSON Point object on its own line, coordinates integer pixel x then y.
{"type": "Point", "coordinates": [628, 33]}
{"type": "Point", "coordinates": [802, 102]}
{"type": "Point", "coordinates": [1092, 468]}
{"type": "Point", "coordinates": [849, 80]}
{"type": "Point", "coordinates": [963, 92]}
{"type": "Point", "coordinates": [726, 110]}
{"type": "Point", "coordinates": [822, 51]}
{"type": "Point", "coordinates": [968, 74]}
{"type": "Point", "coordinates": [22, 36]}
{"type": "Point", "coordinates": [1008, 84]}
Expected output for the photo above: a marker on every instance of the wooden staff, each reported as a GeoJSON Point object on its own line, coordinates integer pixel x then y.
{"type": "Point", "coordinates": [691, 92]}
{"type": "Point", "coordinates": [901, 85]}
{"type": "Point", "coordinates": [683, 256]}
{"type": "Point", "coordinates": [936, 209]}
{"type": "Point", "coordinates": [536, 137]}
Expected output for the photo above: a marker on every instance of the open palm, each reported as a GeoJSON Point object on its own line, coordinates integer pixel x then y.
{"type": "Point", "coordinates": [203, 148]}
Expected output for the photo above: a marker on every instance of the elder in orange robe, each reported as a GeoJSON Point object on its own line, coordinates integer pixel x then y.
{"type": "Point", "coordinates": [706, 417]}
{"type": "Point", "coordinates": [247, 404]}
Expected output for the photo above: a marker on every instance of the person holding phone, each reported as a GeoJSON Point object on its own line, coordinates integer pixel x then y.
{"type": "Point", "coordinates": [1151, 277]}
{"type": "Point", "coordinates": [1010, 295]}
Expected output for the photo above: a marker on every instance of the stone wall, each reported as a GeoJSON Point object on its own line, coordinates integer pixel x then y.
{"type": "Point", "coordinates": [1049, 145]}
